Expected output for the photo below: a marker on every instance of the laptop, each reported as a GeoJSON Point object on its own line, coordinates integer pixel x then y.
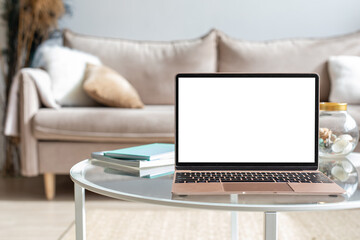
{"type": "Point", "coordinates": [248, 134]}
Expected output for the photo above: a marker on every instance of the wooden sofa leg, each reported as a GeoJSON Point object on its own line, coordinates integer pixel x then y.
{"type": "Point", "coordinates": [49, 184]}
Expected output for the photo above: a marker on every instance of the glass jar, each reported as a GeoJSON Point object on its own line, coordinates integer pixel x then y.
{"type": "Point", "coordinates": [338, 133]}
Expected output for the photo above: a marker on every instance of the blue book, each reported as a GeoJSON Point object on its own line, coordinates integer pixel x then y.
{"type": "Point", "coordinates": [147, 152]}
{"type": "Point", "coordinates": [134, 163]}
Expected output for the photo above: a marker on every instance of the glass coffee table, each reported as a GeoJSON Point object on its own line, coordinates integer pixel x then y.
{"type": "Point", "coordinates": [116, 184]}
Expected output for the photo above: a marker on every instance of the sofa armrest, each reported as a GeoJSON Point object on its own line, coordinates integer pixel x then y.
{"type": "Point", "coordinates": [29, 104]}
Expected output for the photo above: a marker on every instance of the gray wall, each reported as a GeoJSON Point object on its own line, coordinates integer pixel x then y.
{"type": "Point", "coordinates": [247, 19]}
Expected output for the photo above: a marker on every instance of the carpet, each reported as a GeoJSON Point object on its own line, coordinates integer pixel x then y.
{"type": "Point", "coordinates": [177, 224]}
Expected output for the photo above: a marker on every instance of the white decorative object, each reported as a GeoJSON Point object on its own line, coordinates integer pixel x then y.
{"type": "Point", "coordinates": [66, 68]}
{"type": "Point", "coordinates": [344, 74]}
{"type": "Point", "coordinates": [340, 145]}
{"type": "Point", "coordinates": [346, 137]}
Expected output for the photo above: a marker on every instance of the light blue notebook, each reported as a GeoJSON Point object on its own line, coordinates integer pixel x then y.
{"type": "Point", "coordinates": [144, 152]}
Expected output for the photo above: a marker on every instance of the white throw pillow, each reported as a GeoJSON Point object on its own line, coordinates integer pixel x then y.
{"type": "Point", "coordinates": [344, 74]}
{"type": "Point", "coordinates": [66, 68]}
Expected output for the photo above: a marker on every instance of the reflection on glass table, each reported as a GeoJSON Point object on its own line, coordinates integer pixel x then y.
{"type": "Point", "coordinates": [341, 171]}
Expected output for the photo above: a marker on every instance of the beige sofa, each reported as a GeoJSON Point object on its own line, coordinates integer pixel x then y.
{"type": "Point", "coordinates": [54, 140]}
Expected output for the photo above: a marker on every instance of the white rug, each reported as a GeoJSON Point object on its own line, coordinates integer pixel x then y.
{"type": "Point", "coordinates": [159, 224]}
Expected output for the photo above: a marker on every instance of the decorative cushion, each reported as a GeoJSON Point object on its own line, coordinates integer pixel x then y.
{"type": "Point", "coordinates": [344, 74]}
{"type": "Point", "coordinates": [294, 55]}
{"type": "Point", "coordinates": [150, 66]}
{"type": "Point", "coordinates": [109, 88]}
{"type": "Point", "coordinates": [66, 69]}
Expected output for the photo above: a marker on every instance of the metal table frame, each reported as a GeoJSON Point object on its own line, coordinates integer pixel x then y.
{"type": "Point", "coordinates": [270, 223]}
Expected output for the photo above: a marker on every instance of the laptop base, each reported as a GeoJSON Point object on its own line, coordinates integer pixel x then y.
{"type": "Point", "coordinates": [218, 188]}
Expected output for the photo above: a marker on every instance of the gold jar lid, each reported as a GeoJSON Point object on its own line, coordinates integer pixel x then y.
{"type": "Point", "coordinates": [332, 106]}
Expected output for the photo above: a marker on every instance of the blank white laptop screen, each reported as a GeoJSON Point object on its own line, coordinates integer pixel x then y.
{"type": "Point", "coordinates": [246, 120]}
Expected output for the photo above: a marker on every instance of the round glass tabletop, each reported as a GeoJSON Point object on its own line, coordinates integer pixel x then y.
{"type": "Point", "coordinates": [129, 186]}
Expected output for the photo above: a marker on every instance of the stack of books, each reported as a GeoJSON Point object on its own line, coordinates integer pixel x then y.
{"type": "Point", "coordinates": [151, 160]}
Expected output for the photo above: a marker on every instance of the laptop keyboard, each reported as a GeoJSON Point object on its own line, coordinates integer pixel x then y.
{"type": "Point", "coordinates": [204, 177]}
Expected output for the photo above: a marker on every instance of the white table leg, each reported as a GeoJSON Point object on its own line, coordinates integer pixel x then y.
{"type": "Point", "coordinates": [234, 226]}
{"type": "Point", "coordinates": [234, 219]}
{"type": "Point", "coordinates": [271, 226]}
{"type": "Point", "coordinates": [80, 223]}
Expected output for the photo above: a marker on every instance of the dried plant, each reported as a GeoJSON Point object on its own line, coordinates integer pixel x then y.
{"type": "Point", "coordinates": [11, 18]}
{"type": "Point", "coordinates": [36, 19]}
{"type": "Point", "coordinates": [29, 23]}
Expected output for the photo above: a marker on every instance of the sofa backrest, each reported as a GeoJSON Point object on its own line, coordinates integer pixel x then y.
{"type": "Point", "coordinates": [150, 66]}
{"type": "Point", "coordinates": [294, 55]}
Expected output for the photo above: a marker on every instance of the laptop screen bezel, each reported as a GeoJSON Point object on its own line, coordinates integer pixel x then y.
{"type": "Point", "coordinates": [247, 165]}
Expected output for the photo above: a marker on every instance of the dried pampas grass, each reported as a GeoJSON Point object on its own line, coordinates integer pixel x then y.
{"type": "Point", "coordinates": [37, 18]}
{"type": "Point", "coordinates": [29, 23]}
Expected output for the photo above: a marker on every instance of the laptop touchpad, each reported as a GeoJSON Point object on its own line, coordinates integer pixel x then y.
{"type": "Point", "coordinates": [257, 187]}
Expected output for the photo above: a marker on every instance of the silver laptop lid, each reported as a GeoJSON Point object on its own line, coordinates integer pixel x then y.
{"type": "Point", "coordinates": [247, 121]}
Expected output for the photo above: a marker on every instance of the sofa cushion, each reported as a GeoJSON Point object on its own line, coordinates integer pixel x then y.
{"type": "Point", "coordinates": [104, 124]}
{"type": "Point", "coordinates": [66, 69]}
{"type": "Point", "coordinates": [110, 88]}
{"type": "Point", "coordinates": [344, 74]}
{"type": "Point", "coordinates": [294, 55]}
{"type": "Point", "coordinates": [150, 66]}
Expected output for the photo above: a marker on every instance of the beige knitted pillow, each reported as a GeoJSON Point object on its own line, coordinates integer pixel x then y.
{"type": "Point", "coordinates": [108, 87]}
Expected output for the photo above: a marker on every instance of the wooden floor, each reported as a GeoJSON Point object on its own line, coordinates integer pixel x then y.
{"type": "Point", "coordinates": [25, 214]}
